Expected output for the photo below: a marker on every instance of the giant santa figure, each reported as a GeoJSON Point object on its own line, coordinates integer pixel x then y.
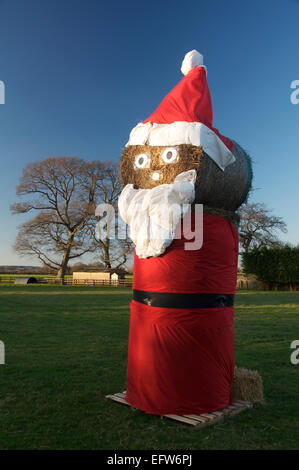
{"type": "Point", "coordinates": [181, 340]}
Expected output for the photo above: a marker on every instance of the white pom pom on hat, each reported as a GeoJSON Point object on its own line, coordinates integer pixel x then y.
{"type": "Point", "coordinates": [191, 60]}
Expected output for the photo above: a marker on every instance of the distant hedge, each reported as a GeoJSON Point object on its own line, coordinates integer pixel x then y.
{"type": "Point", "coordinates": [276, 266]}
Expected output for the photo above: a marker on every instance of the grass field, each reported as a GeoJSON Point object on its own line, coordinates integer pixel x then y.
{"type": "Point", "coordinates": [66, 348]}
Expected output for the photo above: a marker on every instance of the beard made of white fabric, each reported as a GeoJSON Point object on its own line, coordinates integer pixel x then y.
{"type": "Point", "coordinates": [153, 215]}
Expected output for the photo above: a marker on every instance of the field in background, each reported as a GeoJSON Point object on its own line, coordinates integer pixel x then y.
{"type": "Point", "coordinates": [66, 348]}
{"type": "Point", "coordinates": [50, 279]}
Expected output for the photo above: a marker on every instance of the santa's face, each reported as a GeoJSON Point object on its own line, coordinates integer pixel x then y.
{"type": "Point", "coordinates": [147, 166]}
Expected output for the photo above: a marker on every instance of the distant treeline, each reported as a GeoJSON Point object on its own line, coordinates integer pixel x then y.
{"type": "Point", "coordinates": [25, 270]}
{"type": "Point", "coordinates": [277, 267]}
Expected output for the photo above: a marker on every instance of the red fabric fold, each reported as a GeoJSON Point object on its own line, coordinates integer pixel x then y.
{"type": "Point", "coordinates": [211, 269]}
{"type": "Point", "coordinates": [181, 361]}
{"type": "Point", "coordinates": [189, 101]}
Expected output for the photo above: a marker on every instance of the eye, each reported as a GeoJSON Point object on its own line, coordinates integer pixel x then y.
{"type": "Point", "coordinates": [170, 155]}
{"type": "Point", "coordinates": [142, 161]}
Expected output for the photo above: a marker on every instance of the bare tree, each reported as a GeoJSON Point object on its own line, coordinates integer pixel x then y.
{"type": "Point", "coordinates": [52, 243]}
{"type": "Point", "coordinates": [62, 191]}
{"type": "Point", "coordinates": [114, 246]}
{"type": "Point", "coordinates": [258, 226]}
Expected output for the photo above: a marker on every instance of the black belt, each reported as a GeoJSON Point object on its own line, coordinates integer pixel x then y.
{"type": "Point", "coordinates": [171, 300]}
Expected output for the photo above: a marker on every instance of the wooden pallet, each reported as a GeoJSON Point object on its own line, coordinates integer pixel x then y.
{"type": "Point", "coordinates": [199, 421]}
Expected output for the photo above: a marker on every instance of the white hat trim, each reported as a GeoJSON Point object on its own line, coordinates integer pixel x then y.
{"type": "Point", "coordinates": [181, 132]}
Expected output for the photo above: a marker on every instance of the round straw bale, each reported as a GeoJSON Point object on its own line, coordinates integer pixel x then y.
{"type": "Point", "coordinates": [247, 385]}
{"type": "Point", "coordinates": [214, 188]}
{"type": "Point", "coordinates": [189, 157]}
{"type": "Point", "coordinates": [232, 216]}
{"type": "Point", "coordinates": [226, 189]}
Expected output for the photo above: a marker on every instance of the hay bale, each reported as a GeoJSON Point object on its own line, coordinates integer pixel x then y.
{"type": "Point", "coordinates": [247, 385]}
{"type": "Point", "coordinates": [214, 188]}
{"type": "Point", "coordinates": [232, 216]}
{"type": "Point", "coordinates": [226, 189]}
{"type": "Point", "coordinates": [189, 158]}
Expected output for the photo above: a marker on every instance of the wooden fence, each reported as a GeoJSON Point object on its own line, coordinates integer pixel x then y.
{"type": "Point", "coordinates": [69, 281]}
{"type": "Point", "coordinates": [243, 282]}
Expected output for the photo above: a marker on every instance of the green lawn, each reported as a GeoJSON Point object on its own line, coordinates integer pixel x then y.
{"type": "Point", "coordinates": [66, 349]}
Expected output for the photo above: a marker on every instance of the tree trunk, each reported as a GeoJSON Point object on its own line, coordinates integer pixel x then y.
{"type": "Point", "coordinates": [66, 256]}
{"type": "Point", "coordinates": [106, 259]}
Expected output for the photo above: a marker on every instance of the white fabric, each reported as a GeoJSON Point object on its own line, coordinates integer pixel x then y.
{"type": "Point", "coordinates": [181, 132]}
{"type": "Point", "coordinates": [191, 60]}
{"type": "Point", "coordinates": [153, 214]}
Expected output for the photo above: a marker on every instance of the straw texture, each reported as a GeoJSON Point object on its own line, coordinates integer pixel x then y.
{"type": "Point", "coordinates": [247, 385]}
{"type": "Point", "coordinates": [215, 188]}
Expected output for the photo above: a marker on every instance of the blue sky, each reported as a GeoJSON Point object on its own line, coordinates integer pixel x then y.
{"type": "Point", "coordinates": [79, 75]}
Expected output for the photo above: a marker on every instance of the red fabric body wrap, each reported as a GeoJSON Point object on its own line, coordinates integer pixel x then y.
{"type": "Point", "coordinates": [181, 360]}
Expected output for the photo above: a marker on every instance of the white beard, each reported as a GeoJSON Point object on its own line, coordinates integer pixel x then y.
{"type": "Point", "coordinates": [154, 214]}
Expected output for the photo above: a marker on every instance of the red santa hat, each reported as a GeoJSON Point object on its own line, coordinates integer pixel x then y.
{"type": "Point", "coordinates": [185, 116]}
